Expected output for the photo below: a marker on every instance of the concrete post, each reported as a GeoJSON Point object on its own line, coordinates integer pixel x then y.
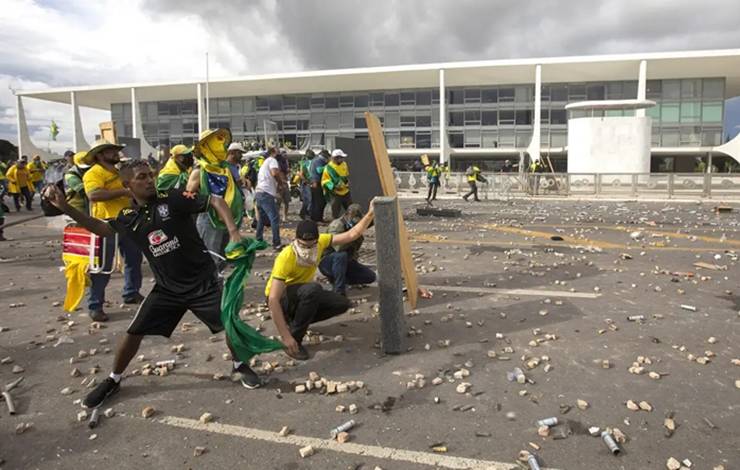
{"type": "Point", "coordinates": [134, 114]}
{"type": "Point", "coordinates": [641, 87]}
{"type": "Point", "coordinates": [201, 114]}
{"type": "Point", "coordinates": [392, 318]}
{"type": "Point", "coordinates": [534, 143]}
{"type": "Point", "coordinates": [442, 119]}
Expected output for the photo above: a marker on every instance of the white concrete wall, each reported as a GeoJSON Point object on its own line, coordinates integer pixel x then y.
{"type": "Point", "coordinates": [609, 144]}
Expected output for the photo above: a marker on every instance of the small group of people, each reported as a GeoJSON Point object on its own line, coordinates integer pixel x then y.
{"type": "Point", "coordinates": [22, 179]}
{"type": "Point", "coordinates": [188, 212]}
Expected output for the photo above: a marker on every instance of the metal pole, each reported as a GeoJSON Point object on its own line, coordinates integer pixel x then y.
{"type": "Point", "coordinates": [442, 119]}
{"type": "Point", "coordinates": [388, 248]}
{"type": "Point", "coordinates": [208, 97]}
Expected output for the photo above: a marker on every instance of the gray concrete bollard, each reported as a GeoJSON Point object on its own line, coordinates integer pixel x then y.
{"type": "Point", "coordinates": [390, 288]}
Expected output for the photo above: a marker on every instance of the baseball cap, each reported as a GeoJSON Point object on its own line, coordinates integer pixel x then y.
{"type": "Point", "coordinates": [236, 146]}
{"type": "Point", "coordinates": [307, 230]}
{"type": "Point", "coordinates": [338, 153]}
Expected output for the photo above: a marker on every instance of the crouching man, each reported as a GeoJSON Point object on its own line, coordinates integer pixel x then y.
{"type": "Point", "coordinates": [295, 299]}
{"type": "Point", "coordinates": [339, 263]}
{"type": "Point", "coordinates": [162, 227]}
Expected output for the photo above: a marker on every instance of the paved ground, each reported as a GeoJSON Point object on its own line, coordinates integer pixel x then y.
{"type": "Point", "coordinates": [473, 261]}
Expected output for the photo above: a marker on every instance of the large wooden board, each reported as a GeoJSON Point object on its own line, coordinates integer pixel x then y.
{"type": "Point", "coordinates": [388, 184]}
{"type": "Point", "coordinates": [363, 173]}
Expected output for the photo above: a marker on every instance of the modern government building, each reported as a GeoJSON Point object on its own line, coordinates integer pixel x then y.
{"type": "Point", "coordinates": [653, 112]}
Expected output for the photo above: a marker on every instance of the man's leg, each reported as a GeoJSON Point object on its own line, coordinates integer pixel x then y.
{"type": "Point", "coordinates": [212, 238]}
{"type": "Point", "coordinates": [271, 211]}
{"type": "Point", "coordinates": [29, 197]}
{"type": "Point", "coordinates": [17, 201]}
{"type": "Point", "coordinates": [346, 201]}
{"type": "Point", "coordinates": [299, 305]}
{"type": "Point", "coordinates": [131, 271]}
{"type": "Point", "coordinates": [429, 192]}
{"type": "Point", "coordinates": [330, 304]}
{"type": "Point", "coordinates": [317, 204]}
{"type": "Point", "coordinates": [99, 281]}
{"type": "Point", "coordinates": [358, 273]}
{"type": "Point", "coordinates": [325, 267]}
{"type": "Point", "coordinates": [475, 191]}
{"type": "Point", "coordinates": [339, 261]}
{"type": "Point", "coordinates": [434, 193]}
{"type": "Point", "coordinates": [467, 195]}
{"type": "Point", "coordinates": [127, 349]}
{"type": "Point", "coordinates": [336, 206]}
{"type": "Point", "coordinates": [260, 215]}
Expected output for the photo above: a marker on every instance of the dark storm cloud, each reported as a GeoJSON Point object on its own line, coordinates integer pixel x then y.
{"type": "Point", "coordinates": [350, 33]}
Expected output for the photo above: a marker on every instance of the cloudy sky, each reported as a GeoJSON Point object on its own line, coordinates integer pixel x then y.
{"type": "Point", "coordinates": [49, 43]}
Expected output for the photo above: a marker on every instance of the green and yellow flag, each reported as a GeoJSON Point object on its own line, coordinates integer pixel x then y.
{"type": "Point", "coordinates": [54, 130]}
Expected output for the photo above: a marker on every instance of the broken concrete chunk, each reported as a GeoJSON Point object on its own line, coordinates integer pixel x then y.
{"type": "Point", "coordinates": [198, 451]}
{"type": "Point", "coordinates": [645, 406]}
{"type": "Point", "coordinates": [206, 418]}
{"type": "Point", "coordinates": [284, 431]}
{"type": "Point", "coordinates": [632, 406]}
{"type": "Point", "coordinates": [307, 451]}
{"type": "Point", "coordinates": [582, 404]}
{"type": "Point", "coordinates": [463, 387]}
{"type": "Point", "coordinates": [300, 388]}
{"type": "Point", "coordinates": [147, 412]}
{"type": "Point", "coordinates": [673, 464]}
{"type": "Point", "coordinates": [343, 437]}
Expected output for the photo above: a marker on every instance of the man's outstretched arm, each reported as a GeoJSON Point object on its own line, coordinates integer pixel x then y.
{"type": "Point", "coordinates": [96, 226]}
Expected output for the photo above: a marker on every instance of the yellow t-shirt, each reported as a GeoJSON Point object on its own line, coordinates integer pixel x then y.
{"type": "Point", "coordinates": [286, 268]}
{"type": "Point", "coordinates": [99, 177]}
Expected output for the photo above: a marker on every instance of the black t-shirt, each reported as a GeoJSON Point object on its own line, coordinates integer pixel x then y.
{"type": "Point", "coordinates": [165, 232]}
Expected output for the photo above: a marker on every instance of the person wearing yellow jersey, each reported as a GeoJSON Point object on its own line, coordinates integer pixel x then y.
{"type": "Point", "coordinates": [3, 180]}
{"type": "Point", "coordinates": [294, 298]}
{"type": "Point", "coordinates": [433, 173]}
{"type": "Point", "coordinates": [37, 169]}
{"type": "Point", "coordinates": [108, 197]}
{"type": "Point", "coordinates": [335, 182]}
{"type": "Point", "coordinates": [19, 184]}
{"type": "Point", "coordinates": [175, 173]}
{"type": "Point", "coordinates": [473, 175]}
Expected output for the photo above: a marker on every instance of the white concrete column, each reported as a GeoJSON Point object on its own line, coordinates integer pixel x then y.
{"type": "Point", "coordinates": [134, 114]}
{"type": "Point", "coordinates": [443, 156]}
{"type": "Point", "coordinates": [642, 87]}
{"type": "Point", "coordinates": [201, 114]}
{"type": "Point", "coordinates": [25, 145]}
{"type": "Point", "coordinates": [79, 143]}
{"type": "Point", "coordinates": [534, 144]}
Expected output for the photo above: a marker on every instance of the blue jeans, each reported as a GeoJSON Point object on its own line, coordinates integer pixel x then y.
{"type": "Point", "coordinates": [131, 272]}
{"type": "Point", "coordinates": [268, 208]}
{"type": "Point", "coordinates": [341, 270]}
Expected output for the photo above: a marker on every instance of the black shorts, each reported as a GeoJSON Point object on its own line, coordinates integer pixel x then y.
{"type": "Point", "coordinates": [162, 310]}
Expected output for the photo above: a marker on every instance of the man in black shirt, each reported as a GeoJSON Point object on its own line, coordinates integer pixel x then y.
{"type": "Point", "coordinates": [162, 227]}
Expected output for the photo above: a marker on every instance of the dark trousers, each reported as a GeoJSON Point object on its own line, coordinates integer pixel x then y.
{"type": "Point", "coordinates": [305, 200]}
{"type": "Point", "coordinates": [318, 203]}
{"type": "Point", "coordinates": [305, 304]}
{"type": "Point", "coordinates": [432, 193]}
{"type": "Point", "coordinates": [26, 195]}
{"type": "Point", "coordinates": [342, 270]}
{"type": "Point", "coordinates": [338, 203]}
{"type": "Point", "coordinates": [131, 272]}
{"type": "Point", "coordinates": [473, 191]}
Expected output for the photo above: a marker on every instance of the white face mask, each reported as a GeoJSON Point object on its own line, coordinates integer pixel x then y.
{"type": "Point", "coordinates": [306, 256]}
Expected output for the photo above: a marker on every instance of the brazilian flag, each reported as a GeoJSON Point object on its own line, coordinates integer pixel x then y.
{"type": "Point", "coordinates": [54, 130]}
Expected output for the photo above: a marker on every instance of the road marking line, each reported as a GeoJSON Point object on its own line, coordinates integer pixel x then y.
{"type": "Point", "coordinates": [535, 292]}
{"type": "Point", "coordinates": [547, 235]}
{"type": "Point", "coordinates": [422, 458]}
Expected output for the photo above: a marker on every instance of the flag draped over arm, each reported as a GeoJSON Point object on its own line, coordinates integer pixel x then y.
{"type": "Point", "coordinates": [245, 340]}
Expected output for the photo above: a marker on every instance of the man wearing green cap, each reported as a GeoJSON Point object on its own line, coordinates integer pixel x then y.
{"type": "Point", "coordinates": [176, 171]}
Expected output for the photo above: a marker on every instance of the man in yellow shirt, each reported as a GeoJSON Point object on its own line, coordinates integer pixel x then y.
{"type": "Point", "coordinates": [295, 300]}
{"type": "Point", "coordinates": [19, 184]}
{"type": "Point", "coordinates": [37, 169]}
{"type": "Point", "coordinates": [108, 198]}
{"type": "Point", "coordinates": [335, 181]}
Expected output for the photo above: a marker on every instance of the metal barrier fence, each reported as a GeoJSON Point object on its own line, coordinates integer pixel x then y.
{"type": "Point", "coordinates": [628, 185]}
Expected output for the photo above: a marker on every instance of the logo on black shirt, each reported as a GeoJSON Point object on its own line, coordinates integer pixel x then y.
{"type": "Point", "coordinates": [157, 237]}
{"type": "Point", "coordinates": [163, 210]}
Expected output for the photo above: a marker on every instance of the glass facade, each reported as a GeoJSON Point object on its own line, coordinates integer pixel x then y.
{"type": "Point", "coordinates": [688, 113]}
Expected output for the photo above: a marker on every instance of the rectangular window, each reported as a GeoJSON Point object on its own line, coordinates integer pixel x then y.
{"type": "Point", "coordinates": [407, 139]}
{"type": "Point", "coordinates": [408, 98]}
{"type": "Point", "coordinates": [669, 112]}
{"type": "Point", "coordinates": [276, 103]}
{"type": "Point", "coordinates": [290, 125]}
{"type": "Point", "coordinates": [346, 120]}
{"type": "Point", "coordinates": [331, 102]}
{"type": "Point", "coordinates": [392, 99]}
{"type": "Point", "coordinates": [289, 103]}
{"type": "Point", "coordinates": [435, 117]}
{"type": "Point", "coordinates": [393, 140]}
{"type": "Point", "coordinates": [237, 106]}
{"type": "Point", "coordinates": [262, 103]}
{"type": "Point", "coordinates": [691, 136]}
{"type": "Point", "coordinates": [163, 109]}
{"type": "Point", "coordinates": [457, 118]}
{"type": "Point", "coordinates": [523, 94]}
{"type": "Point", "coordinates": [472, 118]}
{"type": "Point", "coordinates": [317, 102]}
{"type": "Point", "coordinates": [490, 139]}
{"type": "Point", "coordinates": [303, 102]}
{"type": "Point", "coordinates": [189, 107]}
{"type": "Point", "coordinates": [690, 112]}
{"type": "Point", "coordinates": [456, 97]}
{"type": "Point", "coordinates": [408, 121]}
{"type": "Point", "coordinates": [711, 136]}
{"type": "Point", "coordinates": [671, 90]}
{"type": "Point", "coordinates": [472, 138]}
{"type": "Point", "coordinates": [558, 138]}
{"type": "Point", "coordinates": [614, 112]}
{"type": "Point", "coordinates": [237, 125]}
{"type": "Point", "coordinates": [423, 139]}
{"type": "Point", "coordinates": [545, 116]}
{"type": "Point", "coordinates": [595, 92]}
{"type": "Point", "coordinates": [713, 88]}
{"type": "Point", "coordinates": [435, 96]}
{"type": "Point", "coordinates": [558, 93]}
{"type": "Point", "coordinates": [376, 99]}
{"type": "Point", "coordinates": [558, 116]}
{"type": "Point", "coordinates": [523, 138]}
{"type": "Point", "coordinates": [489, 95]}
{"type": "Point", "coordinates": [614, 91]}
{"type": "Point", "coordinates": [653, 89]}
{"type": "Point", "coordinates": [690, 88]}
{"type": "Point", "coordinates": [653, 112]}
{"type": "Point", "coordinates": [505, 95]}
{"type": "Point", "coordinates": [456, 139]}
{"type": "Point", "coordinates": [630, 90]}
{"type": "Point", "coordinates": [472, 95]}
{"type": "Point", "coordinates": [249, 105]}
{"type": "Point", "coordinates": [346, 101]}
{"type": "Point", "coordinates": [576, 92]}
{"type": "Point", "coordinates": [524, 117]}
{"type": "Point", "coordinates": [424, 121]}
{"type": "Point", "coordinates": [506, 117]}
{"type": "Point", "coordinates": [361, 101]}
{"type": "Point", "coordinates": [711, 112]}
{"type": "Point", "coordinates": [669, 137]}
{"type": "Point", "coordinates": [360, 123]}
{"type": "Point", "coordinates": [423, 98]}
{"type": "Point", "coordinates": [506, 138]}
{"type": "Point", "coordinates": [489, 118]}
{"type": "Point", "coordinates": [392, 119]}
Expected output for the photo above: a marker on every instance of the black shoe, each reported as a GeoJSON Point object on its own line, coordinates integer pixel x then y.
{"type": "Point", "coordinates": [133, 299]}
{"type": "Point", "coordinates": [98, 315]}
{"type": "Point", "coordinates": [104, 389]}
{"type": "Point", "coordinates": [302, 354]}
{"type": "Point", "coordinates": [466, 199]}
{"type": "Point", "coordinates": [248, 377]}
